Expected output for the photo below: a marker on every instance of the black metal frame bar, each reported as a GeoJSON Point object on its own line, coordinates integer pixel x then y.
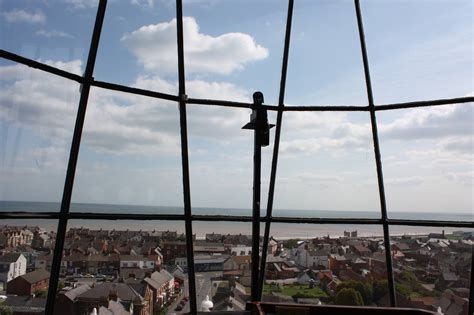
{"type": "Point", "coordinates": [87, 81]}
{"type": "Point", "coordinates": [276, 147]}
{"type": "Point", "coordinates": [73, 156]}
{"type": "Point", "coordinates": [185, 159]}
{"type": "Point", "coordinates": [378, 160]}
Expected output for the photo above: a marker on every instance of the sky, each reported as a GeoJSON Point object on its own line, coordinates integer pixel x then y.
{"type": "Point", "coordinates": [130, 149]}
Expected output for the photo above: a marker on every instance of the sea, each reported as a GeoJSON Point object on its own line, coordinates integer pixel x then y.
{"type": "Point", "coordinates": [201, 228]}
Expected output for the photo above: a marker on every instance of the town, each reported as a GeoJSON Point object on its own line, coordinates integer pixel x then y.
{"type": "Point", "coordinates": [145, 272]}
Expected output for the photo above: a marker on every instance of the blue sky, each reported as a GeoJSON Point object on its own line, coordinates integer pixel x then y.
{"type": "Point", "coordinates": [130, 152]}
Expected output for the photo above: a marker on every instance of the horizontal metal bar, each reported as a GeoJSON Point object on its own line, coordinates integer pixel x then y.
{"type": "Point", "coordinates": [28, 215]}
{"type": "Point", "coordinates": [122, 88]}
{"type": "Point", "coordinates": [41, 66]}
{"type": "Point", "coordinates": [228, 218]}
{"type": "Point", "coordinates": [325, 220]}
{"type": "Point", "coordinates": [133, 90]}
{"type": "Point", "coordinates": [125, 216]}
{"type": "Point", "coordinates": [326, 108]}
{"type": "Point", "coordinates": [438, 102]}
{"type": "Point", "coordinates": [218, 103]}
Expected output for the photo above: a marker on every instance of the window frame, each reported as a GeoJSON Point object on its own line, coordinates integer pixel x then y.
{"type": "Point", "coordinates": [87, 81]}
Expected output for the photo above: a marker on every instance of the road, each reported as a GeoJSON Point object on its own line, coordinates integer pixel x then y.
{"type": "Point", "coordinates": [203, 288]}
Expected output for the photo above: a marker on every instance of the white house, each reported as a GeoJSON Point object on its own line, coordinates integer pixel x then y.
{"type": "Point", "coordinates": [12, 265]}
{"type": "Point", "coordinates": [311, 258]}
{"type": "Point", "coordinates": [136, 261]}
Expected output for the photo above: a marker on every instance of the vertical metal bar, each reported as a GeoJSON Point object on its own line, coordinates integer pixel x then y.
{"type": "Point", "coordinates": [257, 173]}
{"type": "Point", "coordinates": [378, 161]}
{"type": "Point", "coordinates": [185, 159]}
{"type": "Point", "coordinates": [276, 147]}
{"type": "Point", "coordinates": [73, 155]}
{"type": "Point", "coordinates": [471, 287]}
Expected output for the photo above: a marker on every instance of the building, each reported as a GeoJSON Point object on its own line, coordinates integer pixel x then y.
{"type": "Point", "coordinates": [29, 283]}
{"type": "Point", "coordinates": [12, 265]}
{"type": "Point", "coordinates": [102, 294]}
{"type": "Point", "coordinates": [162, 285]}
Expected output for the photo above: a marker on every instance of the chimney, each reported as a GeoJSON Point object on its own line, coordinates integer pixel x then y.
{"type": "Point", "coordinates": [113, 295]}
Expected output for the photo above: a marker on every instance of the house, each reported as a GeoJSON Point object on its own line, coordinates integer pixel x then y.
{"type": "Point", "coordinates": [173, 249]}
{"type": "Point", "coordinates": [312, 257]}
{"type": "Point", "coordinates": [241, 250]}
{"type": "Point", "coordinates": [29, 283]}
{"type": "Point", "coordinates": [136, 261]}
{"type": "Point", "coordinates": [12, 265]}
{"type": "Point", "coordinates": [66, 299]}
{"type": "Point", "coordinates": [272, 246]}
{"type": "Point", "coordinates": [237, 263]}
{"type": "Point", "coordinates": [101, 295]}
{"type": "Point", "coordinates": [162, 285]}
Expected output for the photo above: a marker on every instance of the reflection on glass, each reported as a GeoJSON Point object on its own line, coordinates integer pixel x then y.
{"type": "Point", "coordinates": [130, 155]}
{"type": "Point", "coordinates": [427, 156]}
{"type": "Point", "coordinates": [129, 266]}
{"type": "Point", "coordinates": [326, 166]}
{"type": "Point", "coordinates": [432, 270]}
{"type": "Point", "coordinates": [37, 114]}
{"type": "Point", "coordinates": [26, 248]}
{"type": "Point", "coordinates": [330, 264]}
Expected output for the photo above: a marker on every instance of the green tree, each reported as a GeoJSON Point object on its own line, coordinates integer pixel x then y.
{"type": "Point", "coordinates": [380, 288]}
{"type": "Point", "coordinates": [365, 289]}
{"type": "Point", "coordinates": [349, 296]}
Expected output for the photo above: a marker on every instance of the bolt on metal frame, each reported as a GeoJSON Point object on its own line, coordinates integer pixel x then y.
{"type": "Point", "coordinates": [87, 81]}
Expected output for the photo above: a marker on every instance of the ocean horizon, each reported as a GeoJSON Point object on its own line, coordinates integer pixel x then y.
{"type": "Point", "coordinates": [200, 228]}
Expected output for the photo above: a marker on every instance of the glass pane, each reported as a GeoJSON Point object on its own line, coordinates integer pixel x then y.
{"type": "Point", "coordinates": [326, 166]}
{"type": "Point", "coordinates": [234, 48]}
{"type": "Point", "coordinates": [427, 156]}
{"type": "Point", "coordinates": [26, 247]}
{"type": "Point", "coordinates": [221, 160]}
{"type": "Point", "coordinates": [127, 264]}
{"type": "Point", "coordinates": [326, 264]}
{"type": "Point", "coordinates": [37, 115]}
{"type": "Point", "coordinates": [222, 258]}
{"type": "Point", "coordinates": [130, 155]}
{"type": "Point", "coordinates": [139, 45]}
{"type": "Point", "coordinates": [419, 50]}
{"type": "Point", "coordinates": [433, 269]}
{"type": "Point", "coordinates": [325, 63]}
{"type": "Point", "coordinates": [41, 31]}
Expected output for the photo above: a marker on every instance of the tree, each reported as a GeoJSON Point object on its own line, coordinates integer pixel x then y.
{"type": "Point", "coordinates": [349, 296]}
{"type": "Point", "coordinates": [380, 289]}
{"type": "Point", "coordinates": [5, 309]}
{"type": "Point", "coordinates": [364, 289]}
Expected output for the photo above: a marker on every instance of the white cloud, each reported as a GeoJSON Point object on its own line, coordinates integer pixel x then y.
{"type": "Point", "coordinates": [143, 3]}
{"type": "Point", "coordinates": [82, 4]}
{"type": "Point", "coordinates": [53, 34]}
{"type": "Point", "coordinates": [116, 123]}
{"type": "Point", "coordinates": [22, 16]}
{"type": "Point", "coordinates": [431, 123]}
{"type": "Point", "coordinates": [155, 47]}
{"type": "Point", "coordinates": [405, 181]}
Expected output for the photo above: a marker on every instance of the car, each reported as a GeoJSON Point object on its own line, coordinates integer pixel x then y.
{"type": "Point", "coordinates": [178, 308]}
